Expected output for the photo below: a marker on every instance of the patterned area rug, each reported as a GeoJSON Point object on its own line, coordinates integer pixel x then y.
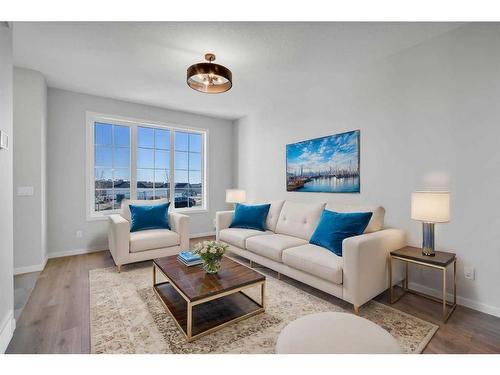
{"type": "Point", "coordinates": [127, 317]}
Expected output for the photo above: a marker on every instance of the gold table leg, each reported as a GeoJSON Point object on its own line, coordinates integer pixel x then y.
{"type": "Point", "coordinates": [189, 327]}
{"type": "Point", "coordinates": [406, 277]}
{"type": "Point", "coordinates": [263, 295]}
{"type": "Point", "coordinates": [390, 280]}
{"type": "Point", "coordinates": [404, 283]}
{"type": "Point", "coordinates": [455, 282]}
{"type": "Point", "coordinates": [445, 297]}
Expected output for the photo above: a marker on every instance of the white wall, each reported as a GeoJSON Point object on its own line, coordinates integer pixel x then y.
{"type": "Point", "coordinates": [429, 119]}
{"type": "Point", "coordinates": [7, 322]}
{"type": "Point", "coordinates": [66, 166]}
{"type": "Point", "coordinates": [30, 129]}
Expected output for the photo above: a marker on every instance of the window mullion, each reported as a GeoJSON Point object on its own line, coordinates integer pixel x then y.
{"type": "Point", "coordinates": [133, 162]}
{"type": "Point", "coordinates": [203, 177]}
{"type": "Point", "coordinates": [113, 196]}
{"type": "Point", "coordinates": [154, 163]}
{"type": "Point", "coordinates": [188, 181]}
{"type": "Point", "coordinates": [91, 185]}
{"type": "Point", "coordinates": [171, 171]}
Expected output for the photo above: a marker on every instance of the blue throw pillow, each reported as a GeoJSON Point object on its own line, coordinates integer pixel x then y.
{"type": "Point", "coordinates": [334, 227]}
{"type": "Point", "coordinates": [250, 217]}
{"type": "Point", "coordinates": [149, 217]}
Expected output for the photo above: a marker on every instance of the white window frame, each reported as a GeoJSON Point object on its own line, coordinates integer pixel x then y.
{"type": "Point", "coordinates": [133, 123]}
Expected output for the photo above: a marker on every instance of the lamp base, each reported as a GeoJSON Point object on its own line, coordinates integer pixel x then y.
{"type": "Point", "coordinates": [428, 252]}
{"type": "Point", "coordinates": [428, 239]}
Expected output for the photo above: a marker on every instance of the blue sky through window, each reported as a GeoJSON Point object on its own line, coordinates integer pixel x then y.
{"type": "Point", "coordinates": [145, 137]}
{"type": "Point", "coordinates": [181, 141]}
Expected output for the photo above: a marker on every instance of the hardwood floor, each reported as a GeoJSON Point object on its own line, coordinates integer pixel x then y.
{"type": "Point", "coordinates": [56, 317]}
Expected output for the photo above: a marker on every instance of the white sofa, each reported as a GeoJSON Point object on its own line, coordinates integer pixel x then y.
{"type": "Point", "coordinates": [127, 247]}
{"type": "Point", "coordinates": [359, 275]}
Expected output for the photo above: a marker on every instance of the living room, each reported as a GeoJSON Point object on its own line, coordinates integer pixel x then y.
{"type": "Point", "coordinates": [187, 187]}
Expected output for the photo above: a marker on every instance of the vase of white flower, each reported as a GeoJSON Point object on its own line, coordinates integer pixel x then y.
{"type": "Point", "coordinates": [211, 253]}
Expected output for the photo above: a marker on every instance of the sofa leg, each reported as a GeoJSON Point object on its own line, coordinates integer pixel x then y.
{"type": "Point", "coordinates": [119, 268]}
{"type": "Point", "coordinates": [279, 276]}
{"type": "Point", "coordinates": [356, 309]}
{"type": "Point", "coordinates": [251, 264]}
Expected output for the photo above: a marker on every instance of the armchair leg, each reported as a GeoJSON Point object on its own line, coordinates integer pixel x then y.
{"type": "Point", "coordinates": [119, 268]}
{"type": "Point", "coordinates": [356, 309]}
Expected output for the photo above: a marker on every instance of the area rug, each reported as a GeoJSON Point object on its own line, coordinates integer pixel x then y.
{"type": "Point", "coordinates": [127, 317]}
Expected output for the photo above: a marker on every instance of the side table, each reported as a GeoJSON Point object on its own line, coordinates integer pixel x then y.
{"type": "Point", "coordinates": [440, 261]}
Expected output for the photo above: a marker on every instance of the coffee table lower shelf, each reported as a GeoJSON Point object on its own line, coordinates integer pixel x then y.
{"type": "Point", "coordinates": [198, 318]}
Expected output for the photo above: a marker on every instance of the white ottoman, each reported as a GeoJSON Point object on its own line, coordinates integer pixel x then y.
{"type": "Point", "coordinates": [335, 333]}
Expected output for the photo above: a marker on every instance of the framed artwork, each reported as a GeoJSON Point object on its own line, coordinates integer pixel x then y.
{"type": "Point", "coordinates": [324, 165]}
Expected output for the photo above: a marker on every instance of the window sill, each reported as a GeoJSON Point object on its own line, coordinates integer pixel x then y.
{"type": "Point", "coordinates": [184, 211]}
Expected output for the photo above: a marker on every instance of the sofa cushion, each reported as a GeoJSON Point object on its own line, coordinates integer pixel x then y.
{"type": "Point", "coordinates": [153, 216]}
{"type": "Point", "coordinates": [273, 245]}
{"type": "Point", "coordinates": [334, 227]}
{"type": "Point", "coordinates": [153, 239]}
{"type": "Point", "coordinates": [315, 260]}
{"type": "Point", "coordinates": [299, 219]}
{"type": "Point", "coordinates": [238, 236]}
{"type": "Point", "coordinates": [250, 216]}
{"type": "Point", "coordinates": [376, 222]}
{"type": "Point", "coordinates": [125, 210]}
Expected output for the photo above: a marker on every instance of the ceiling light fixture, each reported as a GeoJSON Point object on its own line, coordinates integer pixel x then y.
{"type": "Point", "coordinates": [209, 77]}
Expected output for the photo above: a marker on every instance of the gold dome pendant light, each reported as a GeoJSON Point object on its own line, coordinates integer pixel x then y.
{"type": "Point", "coordinates": [209, 77]}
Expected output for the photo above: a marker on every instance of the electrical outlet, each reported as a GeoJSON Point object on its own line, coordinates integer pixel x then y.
{"type": "Point", "coordinates": [25, 191]}
{"type": "Point", "coordinates": [469, 272]}
{"type": "Point", "coordinates": [79, 233]}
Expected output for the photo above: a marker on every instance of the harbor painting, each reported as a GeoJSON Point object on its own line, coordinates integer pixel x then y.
{"type": "Point", "coordinates": [324, 165]}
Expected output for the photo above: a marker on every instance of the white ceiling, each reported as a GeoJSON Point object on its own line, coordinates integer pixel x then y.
{"type": "Point", "coordinates": [146, 62]}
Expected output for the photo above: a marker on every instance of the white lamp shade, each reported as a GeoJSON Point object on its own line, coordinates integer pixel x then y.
{"type": "Point", "coordinates": [235, 196]}
{"type": "Point", "coordinates": [431, 206]}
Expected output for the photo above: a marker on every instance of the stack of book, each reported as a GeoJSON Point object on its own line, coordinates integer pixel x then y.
{"type": "Point", "coordinates": [189, 259]}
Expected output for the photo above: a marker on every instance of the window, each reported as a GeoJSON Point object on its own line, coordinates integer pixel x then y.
{"type": "Point", "coordinates": [187, 173]}
{"type": "Point", "coordinates": [153, 163]}
{"type": "Point", "coordinates": [112, 166]}
{"type": "Point", "coordinates": [140, 160]}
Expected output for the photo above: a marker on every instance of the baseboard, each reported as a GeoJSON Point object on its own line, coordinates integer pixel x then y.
{"type": "Point", "coordinates": [28, 269]}
{"type": "Point", "coordinates": [68, 253]}
{"type": "Point", "coordinates": [7, 327]}
{"type": "Point", "coordinates": [199, 235]}
{"type": "Point", "coordinates": [467, 302]}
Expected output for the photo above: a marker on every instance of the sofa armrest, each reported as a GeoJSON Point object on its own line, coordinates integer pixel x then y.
{"type": "Point", "coordinates": [366, 264]}
{"type": "Point", "coordinates": [222, 221]}
{"type": "Point", "coordinates": [179, 224]}
{"type": "Point", "coordinates": [118, 238]}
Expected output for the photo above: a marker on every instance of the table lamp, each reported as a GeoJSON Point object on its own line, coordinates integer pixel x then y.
{"type": "Point", "coordinates": [235, 196]}
{"type": "Point", "coordinates": [430, 207]}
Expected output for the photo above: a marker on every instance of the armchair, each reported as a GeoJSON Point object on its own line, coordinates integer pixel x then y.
{"type": "Point", "coordinates": [127, 247]}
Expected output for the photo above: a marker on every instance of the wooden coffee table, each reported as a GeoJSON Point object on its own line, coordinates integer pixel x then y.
{"type": "Point", "coordinates": [202, 303]}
